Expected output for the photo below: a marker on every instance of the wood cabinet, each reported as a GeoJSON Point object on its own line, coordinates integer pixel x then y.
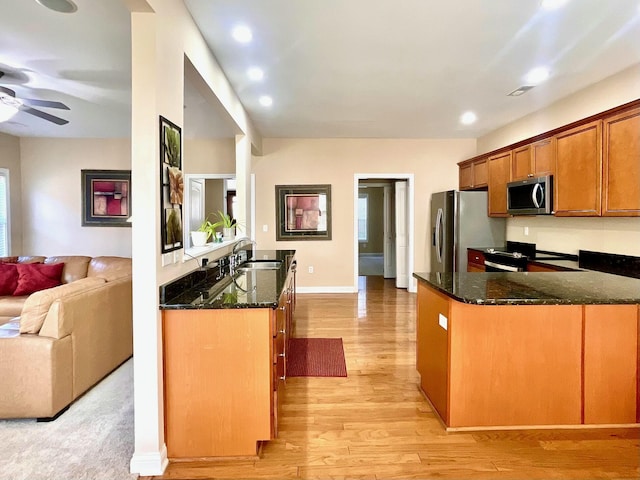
{"type": "Point", "coordinates": [475, 260]}
{"type": "Point", "coordinates": [579, 171]}
{"type": "Point", "coordinates": [224, 376]}
{"type": "Point", "coordinates": [535, 364]}
{"type": "Point", "coordinates": [533, 160]}
{"type": "Point", "coordinates": [499, 168]}
{"type": "Point", "coordinates": [218, 381]}
{"type": "Point", "coordinates": [511, 377]}
{"type": "Point", "coordinates": [621, 164]}
{"type": "Point", "coordinates": [473, 174]}
{"type": "Point", "coordinates": [610, 358]}
{"type": "Point", "coordinates": [595, 163]}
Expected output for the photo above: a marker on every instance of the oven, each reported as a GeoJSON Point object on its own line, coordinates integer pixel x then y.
{"type": "Point", "coordinates": [502, 261]}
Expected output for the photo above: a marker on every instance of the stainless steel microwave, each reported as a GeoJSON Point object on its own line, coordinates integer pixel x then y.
{"type": "Point", "coordinates": [533, 196]}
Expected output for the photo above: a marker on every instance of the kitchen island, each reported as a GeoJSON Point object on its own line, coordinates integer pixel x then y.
{"type": "Point", "coordinates": [529, 350]}
{"type": "Point", "coordinates": [225, 335]}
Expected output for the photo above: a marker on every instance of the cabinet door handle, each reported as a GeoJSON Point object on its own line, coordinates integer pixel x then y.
{"type": "Point", "coordinates": [282, 355]}
{"type": "Point", "coordinates": [283, 308]}
{"type": "Point", "coordinates": [282, 331]}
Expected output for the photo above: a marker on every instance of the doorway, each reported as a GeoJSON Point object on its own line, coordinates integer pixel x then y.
{"type": "Point", "coordinates": [383, 227]}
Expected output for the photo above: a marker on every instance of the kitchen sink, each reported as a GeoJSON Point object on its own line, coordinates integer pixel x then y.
{"type": "Point", "coordinates": [261, 265]}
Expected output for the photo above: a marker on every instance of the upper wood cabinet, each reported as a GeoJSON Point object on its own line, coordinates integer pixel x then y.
{"type": "Point", "coordinates": [621, 165]}
{"type": "Point", "coordinates": [579, 171]}
{"type": "Point", "coordinates": [534, 160]}
{"type": "Point", "coordinates": [499, 167]}
{"type": "Point", "coordinates": [473, 174]}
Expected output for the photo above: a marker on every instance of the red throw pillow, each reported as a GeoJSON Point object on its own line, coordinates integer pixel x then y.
{"type": "Point", "coordinates": [33, 277]}
{"type": "Point", "coordinates": [8, 278]}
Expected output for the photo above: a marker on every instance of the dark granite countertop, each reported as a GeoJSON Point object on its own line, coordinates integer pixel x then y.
{"type": "Point", "coordinates": [535, 288]}
{"type": "Point", "coordinates": [251, 289]}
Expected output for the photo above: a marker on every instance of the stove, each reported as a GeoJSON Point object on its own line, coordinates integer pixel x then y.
{"type": "Point", "coordinates": [512, 259]}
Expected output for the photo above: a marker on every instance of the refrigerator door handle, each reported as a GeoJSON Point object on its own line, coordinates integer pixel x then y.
{"type": "Point", "coordinates": [439, 235]}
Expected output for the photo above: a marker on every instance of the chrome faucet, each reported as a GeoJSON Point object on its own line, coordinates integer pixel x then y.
{"type": "Point", "coordinates": [239, 243]}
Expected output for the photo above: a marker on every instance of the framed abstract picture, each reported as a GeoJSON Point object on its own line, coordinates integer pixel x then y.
{"type": "Point", "coordinates": [303, 212]}
{"type": "Point", "coordinates": [171, 185]}
{"type": "Point", "coordinates": [106, 198]}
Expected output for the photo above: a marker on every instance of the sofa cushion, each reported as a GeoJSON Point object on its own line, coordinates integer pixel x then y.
{"type": "Point", "coordinates": [35, 277]}
{"type": "Point", "coordinates": [109, 268]}
{"type": "Point", "coordinates": [37, 305]}
{"type": "Point", "coordinates": [8, 278]}
{"type": "Point", "coordinates": [75, 266]}
{"type": "Point", "coordinates": [31, 259]}
{"type": "Point", "coordinates": [11, 306]}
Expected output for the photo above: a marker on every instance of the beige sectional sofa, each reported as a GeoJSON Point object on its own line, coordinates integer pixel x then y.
{"type": "Point", "coordinates": [67, 338]}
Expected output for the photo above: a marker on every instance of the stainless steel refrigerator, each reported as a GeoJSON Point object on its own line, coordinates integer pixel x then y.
{"type": "Point", "coordinates": [459, 220]}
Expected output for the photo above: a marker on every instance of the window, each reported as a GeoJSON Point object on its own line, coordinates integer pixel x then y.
{"type": "Point", "coordinates": [5, 246]}
{"type": "Point", "coordinates": [363, 219]}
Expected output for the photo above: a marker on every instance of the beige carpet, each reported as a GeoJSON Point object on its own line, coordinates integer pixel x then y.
{"type": "Point", "coordinates": [93, 440]}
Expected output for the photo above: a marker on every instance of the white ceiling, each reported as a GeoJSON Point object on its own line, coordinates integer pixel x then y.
{"type": "Point", "coordinates": [335, 68]}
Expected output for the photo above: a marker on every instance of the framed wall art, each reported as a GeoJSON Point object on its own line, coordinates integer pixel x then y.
{"type": "Point", "coordinates": [171, 185]}
{"type": "Point", "coordinates": [106, 198]}
{"type": "Point", "coordinates": [303, 212]}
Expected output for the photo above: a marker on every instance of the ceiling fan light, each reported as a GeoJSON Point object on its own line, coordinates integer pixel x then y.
{"type": "Point", "coordinates": [6, 111]}
{"type": "Point", "coordinates": [62, 6]}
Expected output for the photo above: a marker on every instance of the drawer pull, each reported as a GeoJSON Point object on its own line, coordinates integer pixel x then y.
{"type": "Point", "coordinates": [282, 355]}
{"type": "Point", "coordinates": [283, 377]}
{"type": "Point", "coordinates": [283, 308]}
{"type": "Point", "coordinates": [282, 331]}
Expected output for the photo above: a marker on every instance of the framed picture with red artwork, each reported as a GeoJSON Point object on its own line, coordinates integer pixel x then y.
{"type": "Point", "coordinates": [106, 198]}
{"type": "Point", "coordinates": [303, 212]}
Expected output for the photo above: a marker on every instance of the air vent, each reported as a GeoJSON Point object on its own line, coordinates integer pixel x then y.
{"type": "Point", "coordinates": [520, 90]}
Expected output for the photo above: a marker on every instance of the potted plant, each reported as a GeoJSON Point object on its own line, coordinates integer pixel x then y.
{"type": "Point", "coordinates": [228, 225]}
{"type": "Point", "coordinates": [206, 229]}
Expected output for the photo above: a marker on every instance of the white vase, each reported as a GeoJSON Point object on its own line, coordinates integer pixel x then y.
{"type": "Point", "coordinates": [228, 233]}
{"type": "Point", "coordinates": [199, 239]}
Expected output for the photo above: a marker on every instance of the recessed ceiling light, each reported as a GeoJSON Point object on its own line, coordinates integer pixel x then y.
{"type": "Point", "coordinates": [266, 101]}
{"type": "Point", "coordinates": [537, 76]}
{"type": "Point", "coordinates": [255, 73]}
{"type": "Point", "coordinates": [552, 4]}
{"type": "Point", "coordinates": [62, 6]}
{"type": "Point", "coordinates": [467, 118]}
{"type": "Point", "coordinates": [242, 34]}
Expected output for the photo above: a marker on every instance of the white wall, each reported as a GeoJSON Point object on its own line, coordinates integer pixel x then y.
{"type": "Point", "coordinates": [568, 235]}
{"type": "Point", "coordinates": [334, 162]}
{"type": "Point", "coordinates": [52, 196]}
{"type": "Point", "coordinates": [164, 37]}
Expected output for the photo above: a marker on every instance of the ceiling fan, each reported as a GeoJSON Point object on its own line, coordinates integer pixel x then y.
{"type": "Point", "coordinates": [8, 97]}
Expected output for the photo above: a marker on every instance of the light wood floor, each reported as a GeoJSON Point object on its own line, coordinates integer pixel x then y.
{"type": "Point", "coordinates": [375, 424]}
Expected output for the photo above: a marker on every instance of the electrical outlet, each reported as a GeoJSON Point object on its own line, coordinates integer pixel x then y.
{"type": "Point", "coordinates": [526, 231]}
{"type": "Point", "coordinates": [265, 228]}
{"type": "Point", "coordinates": [310, 268]}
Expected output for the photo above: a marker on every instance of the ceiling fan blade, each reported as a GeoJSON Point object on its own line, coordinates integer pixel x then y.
{"type": "Point", "coordinates": [8, 91]}
{"type": "Point", "coordinates": [44, 115]}
{"type": "Point", "coordinates": [44, 103]}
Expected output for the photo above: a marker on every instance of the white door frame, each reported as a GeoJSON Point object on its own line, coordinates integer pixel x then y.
{"type": "Point", "coordinates": [409, 177]}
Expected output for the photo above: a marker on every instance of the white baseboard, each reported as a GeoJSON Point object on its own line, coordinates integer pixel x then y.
{"type": "Point", "coordinates": [150, 463]}
{"type": "Point", "coordinates": [326, 290]}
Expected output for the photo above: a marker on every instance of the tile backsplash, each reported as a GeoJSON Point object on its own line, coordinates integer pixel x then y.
{"type": "Point", "coordinates": [568, 235]}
